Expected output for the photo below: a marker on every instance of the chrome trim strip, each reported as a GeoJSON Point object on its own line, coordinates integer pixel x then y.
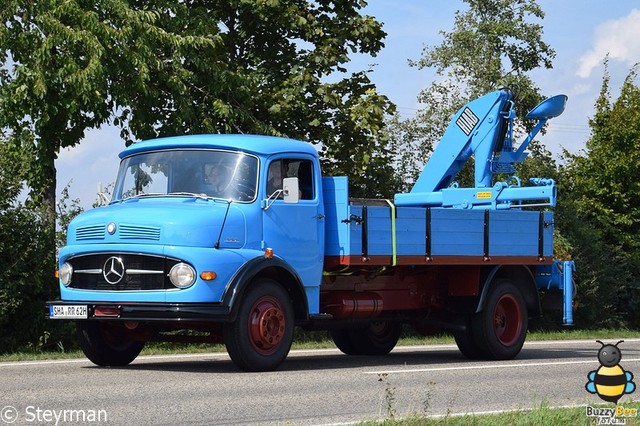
{"type": "Point", "coordinates": [142, 272]}
{"type": "Point", "coordinates": [128, 271]}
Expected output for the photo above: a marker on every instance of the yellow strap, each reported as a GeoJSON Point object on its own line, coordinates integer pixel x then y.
{"type": "Point", "coordinates": [343, 271]}
{"type": "Point", "coordinates": [394, 254]}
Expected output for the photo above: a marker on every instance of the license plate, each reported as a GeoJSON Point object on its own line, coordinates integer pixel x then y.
{"type": "Point", "coordinates": [67, 311]}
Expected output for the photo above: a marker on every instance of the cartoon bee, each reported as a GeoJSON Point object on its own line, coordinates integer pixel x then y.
{"type": "Point", "coordinates": [610, 381]}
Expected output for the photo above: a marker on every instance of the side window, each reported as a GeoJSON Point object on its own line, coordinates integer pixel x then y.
{"type": "Point", "coordinates": [275, 176]}
{"type": "Point", "coordinates": [302, 169]}
{"type": "Point", "coordinates": [305, 179]}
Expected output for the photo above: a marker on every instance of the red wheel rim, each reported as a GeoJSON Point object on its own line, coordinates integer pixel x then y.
{"type": "Point", "coordinates": [266, 325]}
{"type": "Point", "coordinates": [507, 320]}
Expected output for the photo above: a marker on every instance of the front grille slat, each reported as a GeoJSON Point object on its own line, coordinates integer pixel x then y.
{"type": "Point", "coordinates": [141, 272]}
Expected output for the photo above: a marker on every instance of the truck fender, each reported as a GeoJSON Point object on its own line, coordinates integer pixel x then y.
{"type": "Point", "coordinates": [262, 267]}
{"type": "Point", "coordinates": [523, 279]}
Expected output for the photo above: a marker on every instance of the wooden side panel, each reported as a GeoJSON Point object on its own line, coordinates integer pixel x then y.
{"type": "Point", "coordinates": [411, 231]}
{"type": "Point", "coordinates": [513, 233]}
{"type": "Point", "coordinates": [457, 232]}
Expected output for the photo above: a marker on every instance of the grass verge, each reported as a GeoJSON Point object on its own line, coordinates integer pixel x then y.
{"type": "Point", "coordinates": [540, 415]}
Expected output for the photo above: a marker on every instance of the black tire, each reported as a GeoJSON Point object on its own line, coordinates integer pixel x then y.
{"type": "Point", "coordinates": [467, 345]}
{"type": "Point", "coordinates": [378, 338]}
{"type": "Point", "coordinates": [342, 339]}
{"type": "Point", "coordinates": [107, 345]}
{"type": "Point", "coordinates": [500, 329]}
{"type": "Point", "coordinates": [261, 336]}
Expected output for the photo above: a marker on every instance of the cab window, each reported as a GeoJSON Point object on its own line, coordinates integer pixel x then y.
{"type": "Point", "coordinates": [302, 169]}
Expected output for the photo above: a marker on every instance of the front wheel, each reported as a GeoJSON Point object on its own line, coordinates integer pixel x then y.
{"type": "Point", "coordinates": [107, 345]}
{"type": "Point", "coordinates": [261, 336]}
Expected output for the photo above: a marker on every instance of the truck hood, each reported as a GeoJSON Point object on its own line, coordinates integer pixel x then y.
{"type": "Point", "coordinates": [178, 222]}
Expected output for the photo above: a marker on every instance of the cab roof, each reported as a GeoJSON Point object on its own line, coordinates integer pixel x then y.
{"type": "Point", "coordinates": [255, 144]}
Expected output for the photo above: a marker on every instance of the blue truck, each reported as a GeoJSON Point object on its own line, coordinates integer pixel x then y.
{"type": "Point", "coordinates": [239, 239]}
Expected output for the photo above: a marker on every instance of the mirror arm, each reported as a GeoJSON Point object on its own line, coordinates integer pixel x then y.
{"type": "Point", "coordinates": [272, 198]}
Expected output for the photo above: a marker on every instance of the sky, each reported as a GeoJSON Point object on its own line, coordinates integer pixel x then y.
{"type": "Point", "coordinates": [582, 32]}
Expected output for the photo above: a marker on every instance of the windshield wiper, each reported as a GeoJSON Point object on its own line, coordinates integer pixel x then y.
{"type": "Point", "coordinates": [143, 195]}
{"type": "Point", "coordinates": [162, 194]}
{"type": "Point", "coordinates": [201, 196]}
{"type": "Point", "coordinates": [190, 194]}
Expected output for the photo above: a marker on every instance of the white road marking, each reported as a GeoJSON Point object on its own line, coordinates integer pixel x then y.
{"type": "Point", "coordinates": [490, 412]}
{"type": "Point", "coordinates": [44, 362]}
{"type": "Point", "coordinates": [491, 366]}
{"type": "Point", "coordinates": [140, 358]}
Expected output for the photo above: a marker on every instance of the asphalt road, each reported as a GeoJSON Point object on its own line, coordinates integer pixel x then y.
{"type": "Point", "coordinates": [311, 388]}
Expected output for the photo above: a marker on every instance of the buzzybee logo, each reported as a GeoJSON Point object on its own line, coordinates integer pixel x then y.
{"type": "Point", "coordinates": [610, 381]}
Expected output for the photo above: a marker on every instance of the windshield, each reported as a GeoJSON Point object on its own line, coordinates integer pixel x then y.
{"type": "Point", "coordinates": [199, 173]}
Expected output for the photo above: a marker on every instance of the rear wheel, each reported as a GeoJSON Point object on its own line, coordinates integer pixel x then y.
{"type": "Point", "coordinates": [500, 329]}
{"type": "Point", "coordinates": [466, 343]}
{"type": "Point", "coordinates": [261, 336]}
{"type": "Point", "coordinates": [342, 338]}
{"type": "Point", "coordinates": [107, 344]}
{"type": "Point", "coordinates": [378, 338]}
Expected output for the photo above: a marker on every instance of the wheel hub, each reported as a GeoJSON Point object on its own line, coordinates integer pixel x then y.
{"type": "Point", "coordinates": [507, 320]}
{"type": "Point", "coordinates": [266, 325]}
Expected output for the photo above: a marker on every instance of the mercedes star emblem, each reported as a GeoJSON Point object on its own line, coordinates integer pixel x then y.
{"type": "Point", "coordinates": [113, 270]}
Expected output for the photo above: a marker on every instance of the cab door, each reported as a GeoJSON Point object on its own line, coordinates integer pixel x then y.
{"type": "Point", "coordinates": [295, 231]}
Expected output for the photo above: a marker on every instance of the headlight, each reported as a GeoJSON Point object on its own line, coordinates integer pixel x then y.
{"type": "Point", "coordinates": [66, 272]}
{"type": "Point", "coordinates": [182, 275]}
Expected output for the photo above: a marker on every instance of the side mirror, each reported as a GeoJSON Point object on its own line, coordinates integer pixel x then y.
{"type": "Point", "coordinates": [291, 190]}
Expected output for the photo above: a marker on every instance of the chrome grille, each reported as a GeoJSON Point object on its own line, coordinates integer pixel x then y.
{"type": "Point", "coordinates": [141, 272]}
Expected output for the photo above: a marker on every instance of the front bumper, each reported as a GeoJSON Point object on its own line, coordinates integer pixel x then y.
{"type": "Point", "coordinates": [132, 311]}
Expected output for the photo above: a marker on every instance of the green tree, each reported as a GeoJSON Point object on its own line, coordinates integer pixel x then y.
{"type": "Point", "coordinates": [64, 66]}
{"type": "Point", "coordinates": [494, 43]}
{"type": "Point", "coordinates": [608, 190]}
{"type": "Point", "coordinates": [26, 277]}
{"type": "Point", "coordinates": [164, 68]}
{"type": "Point", "coordinates": [599, 213]}
{"type": "Point", "coordinates": [272, 67]}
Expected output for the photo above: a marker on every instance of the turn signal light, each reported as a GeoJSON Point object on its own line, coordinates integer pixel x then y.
{"type": "Point", "coordinates": [208, 275]}
{"type": "Point", "coordinates": [268, 253]}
